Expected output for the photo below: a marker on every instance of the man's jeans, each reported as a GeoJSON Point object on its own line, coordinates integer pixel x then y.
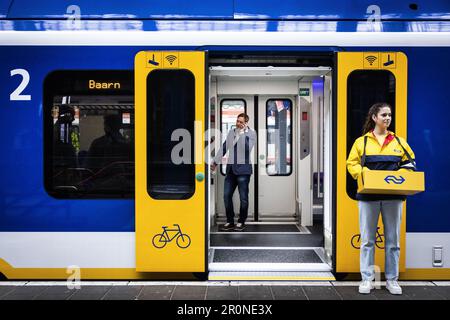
{"type": "Point", "coordinates": [231, 182]}
{"type": "Point", "coordinates": [391, 213]}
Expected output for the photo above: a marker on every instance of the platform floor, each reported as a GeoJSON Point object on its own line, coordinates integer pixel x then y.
{"type": "Point", "coordinates": [227, 290]}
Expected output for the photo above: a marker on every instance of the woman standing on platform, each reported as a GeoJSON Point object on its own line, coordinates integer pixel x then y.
{"type": "Point", "coordinates": [379, 149]}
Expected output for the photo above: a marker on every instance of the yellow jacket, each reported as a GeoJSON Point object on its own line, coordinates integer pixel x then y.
{"type": "Point", "coordinates": [390, 156]}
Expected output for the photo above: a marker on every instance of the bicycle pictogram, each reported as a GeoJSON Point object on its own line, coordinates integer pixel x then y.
{"type": "Point", "coordinates": [161, 239]}
{"type": "Point", "coordinates": [379, 240]}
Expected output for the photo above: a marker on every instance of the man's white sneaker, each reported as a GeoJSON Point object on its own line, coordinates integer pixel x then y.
{"type": "Point", "coordinates": [393, 287]}
{"type": "Point", "coordinates": [227, 227]}
{"type": "Point", "coordinates": [365, 286]}
{"type": "Point", "coordinates": [239, 227]}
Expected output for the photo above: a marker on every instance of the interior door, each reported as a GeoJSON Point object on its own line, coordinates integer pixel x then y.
{"type": "Point", "coordinates": [170, 170]}
{"type": "Point", "coordinates": [276, 150]}
{"type": "Point", "coordinates": [228, 109]}
{"type": "Point", "coordinates": [364, 78]}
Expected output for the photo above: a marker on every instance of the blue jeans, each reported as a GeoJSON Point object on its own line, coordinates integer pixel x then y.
{"type": "Point", "coordinates": [391, 213]}
{"type": "Point", "coordinates": [231, 182]}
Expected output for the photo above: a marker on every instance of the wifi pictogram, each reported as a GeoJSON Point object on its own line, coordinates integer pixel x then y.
{"type": "Point", "coordinates": [171, 58]}
{"type": "Point", "coordinates": [371, 59]}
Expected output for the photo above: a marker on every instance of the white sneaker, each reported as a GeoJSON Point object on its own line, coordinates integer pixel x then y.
{"type": "Point", "coordinates": [239, 227]}
{"type": "Point", "coordinates": [227, 227]}
{"type": "Point", "coordinates": [365, 286]}
{"type": "Point", "coordinates": [393, 287]}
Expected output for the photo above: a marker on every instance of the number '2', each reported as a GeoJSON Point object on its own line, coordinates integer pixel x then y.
{"type": "Point", "coordinates": [16, 94]}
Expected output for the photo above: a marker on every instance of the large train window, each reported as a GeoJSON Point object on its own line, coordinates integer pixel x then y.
{"type": "Point", "coordinates": [89, 134]}
{"type": "Point", "coordinates": [278, 143]}
{"type": "Point", "coordinates": [229, 110]}
{"type": "Point", "coordinates": [364, 88]}
{"type": "Point", "coordinates": [170, 134]}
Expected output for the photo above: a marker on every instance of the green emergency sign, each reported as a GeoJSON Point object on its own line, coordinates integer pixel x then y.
{"type": "Point", "coordinates": [304, 92]}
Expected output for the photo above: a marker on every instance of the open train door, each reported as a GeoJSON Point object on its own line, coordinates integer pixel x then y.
{"type": "Point", "coordinates": [170, 169]}
{"type": "Point", "coordinates": [364, 78]}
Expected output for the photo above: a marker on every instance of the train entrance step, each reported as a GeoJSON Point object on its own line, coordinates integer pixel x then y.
{"type": "Point", "coordinates": [265, 228]}
{"type": "Point", "coordinates": [266, 256]}
{"type": "Point", "coordinates": [270, 275]}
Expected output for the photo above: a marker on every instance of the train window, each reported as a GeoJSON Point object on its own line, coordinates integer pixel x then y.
{"type": "Point", "coordinates": [279, 144]}
{"type": "Point", "coordinates": [89, 134]}
{"type": "Point", "coordinates": [229, 110]}
{"type": "Point", "coordinates": [170, 124]}
{"type": "Point", "coordinates": [364, 88]}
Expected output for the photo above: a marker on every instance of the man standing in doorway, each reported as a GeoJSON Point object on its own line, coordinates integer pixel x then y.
{"type": "Point", "coordinates": [239, 143]}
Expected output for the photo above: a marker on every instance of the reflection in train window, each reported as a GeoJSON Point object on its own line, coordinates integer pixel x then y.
{"type": "Point", "coordinates": [229, 110]}
{"type": "Point", "coordinates": [93, 145]}
{"type": "Point", "coordinates": [89, 136]}
{"type": "Point", "coordinates": [279, 137]}
{"type": "Point", "coordinates": [364, 88]}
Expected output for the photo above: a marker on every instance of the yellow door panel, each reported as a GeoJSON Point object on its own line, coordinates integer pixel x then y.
{"type": "Point", "coordinates": [170, 231]}
{"type": "Point", "coordinates": [347, 217]}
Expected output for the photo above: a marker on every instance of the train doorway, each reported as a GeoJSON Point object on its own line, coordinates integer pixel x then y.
{"type": "Point", "coordinates": [288, 232]}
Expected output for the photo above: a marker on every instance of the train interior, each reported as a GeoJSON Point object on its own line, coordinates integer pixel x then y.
{"type": "Point", "coordinates": [289, 227]}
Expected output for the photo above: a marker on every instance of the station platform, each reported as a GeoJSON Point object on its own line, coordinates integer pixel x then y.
{"type": "Point", "coordinates": [217, 290]}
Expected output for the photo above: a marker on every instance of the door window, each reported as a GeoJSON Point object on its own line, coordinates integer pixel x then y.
{"type": "Point", "coordinates": [364, 88]}
{"type": "Point", "coordinates": [170, 122]}
{"type": "Point", "coordinates": [279, 137]}
{"type": "Point", "coordinates": [229, 110]}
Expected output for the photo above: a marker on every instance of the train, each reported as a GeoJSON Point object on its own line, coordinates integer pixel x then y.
{"type": "Point", "coordinates": [99, 98]}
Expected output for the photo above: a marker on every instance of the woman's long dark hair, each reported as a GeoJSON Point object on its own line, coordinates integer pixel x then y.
{"type": "Point", "coordinates": [369, 125]}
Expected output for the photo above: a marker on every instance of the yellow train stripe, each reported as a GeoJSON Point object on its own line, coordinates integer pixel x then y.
{"type": "Point", "coordinates": [88, 273]}
{"type": "Point", "coordinates": [131, 274]}
{"type": "Point", "coordinates": [426, 274]}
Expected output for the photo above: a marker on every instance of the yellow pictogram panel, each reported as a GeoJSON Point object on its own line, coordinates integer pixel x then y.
{"type": "Point", "coordinates": [171, 59]}
{"type": "Point", "coordinates": [153, 59]}
{"type": "Point", "coordinates": [170, 233]}
{"type": "Point", "coordinates": [371, 60]}
{"type": "Point", "coordinates": [347, 219]}
{"type": "Point", "coordinates": [388, 60]}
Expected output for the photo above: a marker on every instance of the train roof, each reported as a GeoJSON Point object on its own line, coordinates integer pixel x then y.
{"type": "Point", "coordinates": [226, 9]}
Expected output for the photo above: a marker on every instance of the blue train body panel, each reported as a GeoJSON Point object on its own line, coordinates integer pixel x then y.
{"type": "Point", "coordinates": [131, 9]}
{"type": "Point", "coordinates": [4, 6]}
{"type": "Point", "coordinates": [293, 9]}
{"type": "Point", "coordinates": [231, 9]}
{"type": "Point", "coordinates": [25, 205]}
{"type": "Point", "coordinates": [428, 123]}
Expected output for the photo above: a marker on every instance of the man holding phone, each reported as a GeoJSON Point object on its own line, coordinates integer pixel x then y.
{"type": "Point", "coordinates": [239, 143]}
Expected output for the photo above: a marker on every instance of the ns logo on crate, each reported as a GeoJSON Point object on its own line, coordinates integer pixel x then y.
{"type": "Point", "coordinates": [394, 179]}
